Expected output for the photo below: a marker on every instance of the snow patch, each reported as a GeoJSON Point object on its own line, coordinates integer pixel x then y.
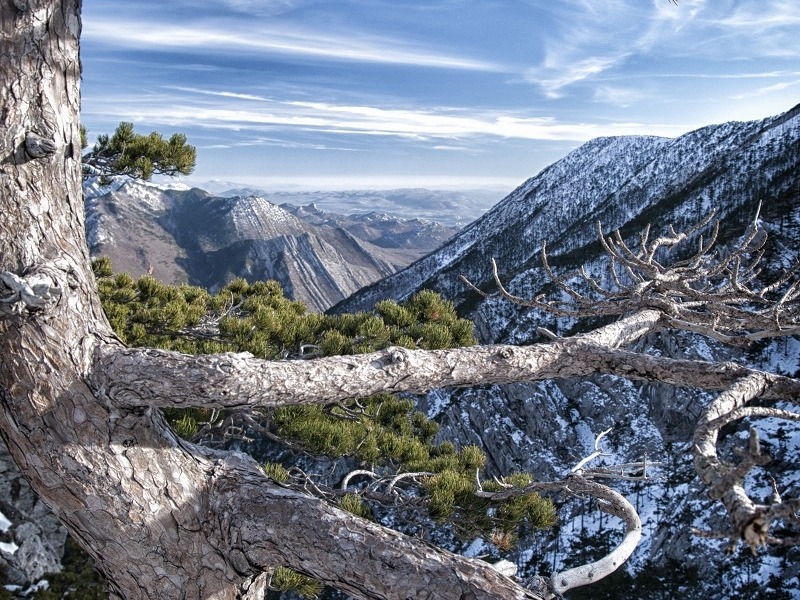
{"type": "Point", "coordinates": [5, 524]}
{"type": "Point", "coordinates": [8, 547]}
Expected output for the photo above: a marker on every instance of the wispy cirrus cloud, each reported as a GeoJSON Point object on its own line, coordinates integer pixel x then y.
{"type": "Point", "coordinates": [768, 90]}
{"type": "Point", "coordinates": [598, 47]}
{"type": "Point", "coordinates": [436, 125]}
{"type": "Point", "coordinates": [762, 15]}
{"type": "Point", "coordinates": [430, 87]}
{"type": "Point", "coordinates": [559, 71]}
{"type": "Point", "coordinates": [237, 37]}
{"type": "Point", "coordinates": [584, 42]}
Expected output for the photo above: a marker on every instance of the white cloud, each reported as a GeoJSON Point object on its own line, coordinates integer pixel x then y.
{"type": "Point", "coordinates": [559, 73]}
{"type": "Point", "coordinates": [600, 47]}
{"type": "Point", "coordinates": [618, 96]}
{"type": "Point", "coordinates": [441, 126]}
{"type": "Point", "coordinates": [584, 42]}
{"type": "Point", "coordinates": [230, 36]}
{"type": "Point", "coordinates": [768, 90]}
{"type": "Point", "coordinates": [762, 15]}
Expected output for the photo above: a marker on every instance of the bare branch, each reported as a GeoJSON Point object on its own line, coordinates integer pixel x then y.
{"type": "Point", "coordinates": [265, 518]}
{"type": "Point", "coordinates": [713, 292]}
{"type": "Point", "coordinates": [613, 503]}
{"type": "Point", "coordinates": [608, 501]}
{"type": "Point", "coordinates": [751, 521]}
{"type": "Point", "coordinates": [351, 474]}
{"type": "Point", "coordinates": [401, 476]}
{"type": "Point", "coordinates": [597, 452]}
{"type": "Point", "coordinates": [238, 380]}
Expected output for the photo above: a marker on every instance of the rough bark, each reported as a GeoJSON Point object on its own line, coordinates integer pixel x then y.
{"type": "Point", "coordinates": [135, 376]}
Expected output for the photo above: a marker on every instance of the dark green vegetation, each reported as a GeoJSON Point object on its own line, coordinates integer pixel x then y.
{"type": "Point", "coordinates": [382, 434]}
{"type": "Point", "coordinates": [136, 155]}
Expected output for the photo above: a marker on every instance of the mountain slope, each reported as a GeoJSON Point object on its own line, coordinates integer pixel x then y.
{"type": "Point", "coordinates": [188, 235]}
{"type": "Point", "coordinates": [546, 428]}
{"type": "Point", "coordinates": [623, 182]}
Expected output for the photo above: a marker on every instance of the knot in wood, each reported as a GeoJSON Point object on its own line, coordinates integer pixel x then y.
{"type": "Point", "coordinates": [18, 296]}
{"type": "Point", "coordinates": [397, 356]}
{"type": "Point", "coordinates": [506, 353]}
{"type": "Point", "coordinates": [37, 146]}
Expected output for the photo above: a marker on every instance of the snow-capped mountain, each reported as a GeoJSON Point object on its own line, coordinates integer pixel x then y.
{"type": "Point", "coordinates": [626, 183]}
{"type": "Point", "coordinates": [187, 235]}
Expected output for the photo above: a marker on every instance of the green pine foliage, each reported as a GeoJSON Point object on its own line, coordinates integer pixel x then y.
{"type": "Point", "coordinates": [284, 579]}
{"type": "Point", "coordinates": [382, 432]}
{"type": "Point", "coordinates": [353, 503]}
{"type": "Point", "coordinates": [136, 155]}
{"type": "Point", "coordinates": [258, 318]}
{"type": "Point", "coordinates": [276, 472]}
{"type": "Point", "coordinates": [453, 498]}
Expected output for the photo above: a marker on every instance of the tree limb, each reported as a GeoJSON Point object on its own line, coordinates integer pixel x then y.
{"type": "Point", "coordinates": [751, 521]}
{"type": "Point", "coordinates": [229, 380]}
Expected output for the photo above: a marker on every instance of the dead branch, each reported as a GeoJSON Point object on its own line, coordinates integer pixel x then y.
{"type": "Point", "coordinates": [714, 291]}
{"type": "Point", "coordinates": [726, 482]}
{"type": "Point", "coordinates": [578, 482]}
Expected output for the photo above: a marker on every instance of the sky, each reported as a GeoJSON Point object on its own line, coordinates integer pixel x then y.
{"type": "Point", "coordinates": [356, 94]}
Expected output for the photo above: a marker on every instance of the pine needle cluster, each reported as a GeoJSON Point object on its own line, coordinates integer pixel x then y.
{"type": "Point", "coordinates": [136, 155]}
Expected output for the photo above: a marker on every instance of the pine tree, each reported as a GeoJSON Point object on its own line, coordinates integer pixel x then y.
{"type": "Point", "coordinates": [136, 155]}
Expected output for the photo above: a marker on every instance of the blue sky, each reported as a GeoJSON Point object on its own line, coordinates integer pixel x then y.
{"type": "Point", "coordinates": [377, 94]}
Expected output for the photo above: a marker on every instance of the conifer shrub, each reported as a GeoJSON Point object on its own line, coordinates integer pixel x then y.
{"type": "Point", "coordinates": [353, 503]}
{"type": "Point", "coordinates": [276, 472]}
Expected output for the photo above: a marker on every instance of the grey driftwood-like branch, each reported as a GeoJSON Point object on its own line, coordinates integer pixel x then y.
{"type": "Point", "coordinates": [578, 482]}
{"type": "Point", "coordinates": [713, 291]}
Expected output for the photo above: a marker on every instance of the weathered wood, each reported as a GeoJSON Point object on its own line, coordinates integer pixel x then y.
{"type": "Point", "coordinates": [136, 376]}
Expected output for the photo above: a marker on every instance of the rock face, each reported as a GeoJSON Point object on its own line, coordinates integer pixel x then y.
{"type": "Point", "coordinates": [31, 538]}
{"type": "Point", "coordinates": [547, 428]}
{"type": "Point", "coordinates": [190, 236]}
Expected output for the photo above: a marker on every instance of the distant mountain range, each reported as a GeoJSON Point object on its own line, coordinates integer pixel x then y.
{"type": "Point", "coordinates": [450, 207]}
{"type": "Point", "coordinates": [190, 236]}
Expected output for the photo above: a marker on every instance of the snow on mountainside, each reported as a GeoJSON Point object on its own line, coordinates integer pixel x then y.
{"type": "Point", "coordinates": [187, 235]}
{"type": "Point", "coordinates": [626, 183]}
{"type": "Point", "coordinates": [623, 182]}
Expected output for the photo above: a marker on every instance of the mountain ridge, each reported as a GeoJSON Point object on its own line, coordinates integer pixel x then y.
{"type": "Point", "coordinates": [187, 235]}
{"type": "Point", "coordinates": [602, 180]}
